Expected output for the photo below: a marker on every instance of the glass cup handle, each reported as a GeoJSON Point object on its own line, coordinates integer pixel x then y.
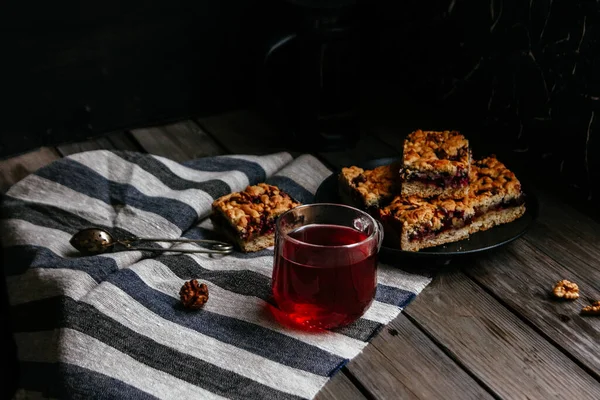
{"type": "Point", "coordinates": [379, 235]}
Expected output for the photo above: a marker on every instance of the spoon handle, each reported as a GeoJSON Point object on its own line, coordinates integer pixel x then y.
{"type": "Point", "coordinates": [163, 250]}
{"type": "Point", "coordinates": [137, 239]}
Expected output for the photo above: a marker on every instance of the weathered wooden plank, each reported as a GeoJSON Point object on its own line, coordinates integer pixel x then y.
{"type": "Point", "coordinates": [575, 232]}
{"type": "Point", "coordinates": [503, 353]}
{"type": "Point", "coordinates": [99, 143]}
{"type": "Point", "coordinates": [110, 141]}
{"type": "Point", "coordinates": [523, 277]}
{"type": "Point", "coordinates": [16, 168]}
{"type": "Point", "coordinates": [582, 259]}
{"type": "Point", "coordinates": [244, 132]}
{"type": "Point", "coordinates": [402, 363]}
{"type": "Point", "coordinates": [124, 141]}
{"type": "Point", "coordinates": [340, 388]}
{"type": "Point", "coordinates": [180, 141]}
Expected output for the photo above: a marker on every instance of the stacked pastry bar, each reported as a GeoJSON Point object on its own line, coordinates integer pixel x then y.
{"type": "Point", "coordinates": [414, 223]}
{"type": "Point", "coordinates": [368, 189]}
{"type": "Point", "coordinates": [439, 196]}
{"type": "Point", "coordinates": [436, 164]}
{"type": "Point", "coordinates": [495, 194]}
{"type": "Point", "coordinates": [248, 218]}
{"type": "Point", "coordinates": [494, 198]}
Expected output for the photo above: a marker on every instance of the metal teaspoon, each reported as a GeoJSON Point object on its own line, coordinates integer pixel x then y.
{"type": "Point", "coordinates": [96, 241]}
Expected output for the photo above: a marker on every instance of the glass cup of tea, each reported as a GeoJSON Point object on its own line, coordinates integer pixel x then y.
{"type": "Point", "coordinates": [325, 267]}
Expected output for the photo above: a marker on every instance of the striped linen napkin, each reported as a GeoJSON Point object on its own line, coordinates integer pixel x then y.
{"type": "Point", "coordinates": [110, 326]}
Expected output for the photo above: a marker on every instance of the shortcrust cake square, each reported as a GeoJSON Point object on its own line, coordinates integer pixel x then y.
{"type": "Point", "coordinates": [368, 189]}
{"type": "Point", "coordinates": [435, 164]}
{"type": "Point", "coordinates": [248, 218]}
{"type": "Point", "coordinates": [495, 194]}
{"type": "Point", "coordinates": [412, 223]}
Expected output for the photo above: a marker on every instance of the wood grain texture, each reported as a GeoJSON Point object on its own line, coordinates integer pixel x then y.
{"type": "Point", "coordinates": [572, 206]}
{"type": "Point", "coordinates": [574, 232]}
{"type": "Point", "coordinates": [403, 363]}
{"type": "Point", "coordinates": [340, 388]}
{"type": "Point", "coordinates": [16, 168]}
{"type": "Point", "coordinates": [501, 351]}
{"type": "Point", "coordinates": [180, 141]}
{"type": "Point", "coordinates": [243, 132]}
{"type": "Point", "coordinates": [522, 277]}
{"type": "Point", "coordinates": [582, 260]}
{"type": "Point", "coordinates": [124, 141]}
{"type": "Point", "coordinates": [111, 141]}
{"type": "Point", "coordinates": [100, 143]}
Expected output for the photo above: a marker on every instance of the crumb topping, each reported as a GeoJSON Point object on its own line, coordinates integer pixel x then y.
{"type": "Point", "coordinates": [415, 214]}
{"type": "Point", "coordinates": [489, 177]}
{"type": "Point", "coordinates": [492, 185]}
{"type": "Point", "coordinates": [372, 185]}
{"type": "Point", "coordinates": [254, 210]}
{"type": "Point", "coordinates": [438, 152]}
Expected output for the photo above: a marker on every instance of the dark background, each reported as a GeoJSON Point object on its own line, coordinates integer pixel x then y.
{"type": "Point", "coordinates": [75, 68]}
{"type": "Point", "coordinates": [518, 76]}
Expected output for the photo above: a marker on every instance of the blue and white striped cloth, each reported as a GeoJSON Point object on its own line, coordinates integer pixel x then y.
{"type": "Point", "coordinates": [110, 326]}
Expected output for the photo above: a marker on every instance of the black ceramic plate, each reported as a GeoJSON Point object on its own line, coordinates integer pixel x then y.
{"type": "Point", "coordinates": [481, 241]}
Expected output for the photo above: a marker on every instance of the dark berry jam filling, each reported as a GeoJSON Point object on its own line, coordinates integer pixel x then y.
{"type": "Point", "coordinates": [359, 179]}
{"type": "Point", "coordinates": [444, 180]}
{"type": "Point", "coordinates": [514, 202]}
{"type": "Point", "coordinates": [264, 226]}
{"type": "Point", "coordinates": [446, 217]}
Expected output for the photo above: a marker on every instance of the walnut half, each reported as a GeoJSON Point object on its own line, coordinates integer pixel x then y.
{"type": "Point", "coordinates": [193, 294]}
{"type": "Point", "coordinates": [594, 309]}
{"type": "Point", "coordinates": [566, 290]}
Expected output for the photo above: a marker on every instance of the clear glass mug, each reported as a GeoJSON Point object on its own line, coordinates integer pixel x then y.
{"type": "Point", "coordinates": [325, 266]}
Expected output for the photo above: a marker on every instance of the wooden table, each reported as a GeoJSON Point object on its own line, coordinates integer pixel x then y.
{"type": "Point", "coordinates": [486, 326]}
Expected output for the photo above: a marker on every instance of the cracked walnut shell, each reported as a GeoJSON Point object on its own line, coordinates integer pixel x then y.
{"type": "Point", "coordinates": [193, 294]}
{"type": "Point", "coordinates": [594, 309]}
{"type": "Point", "coordinates": [566, 290]}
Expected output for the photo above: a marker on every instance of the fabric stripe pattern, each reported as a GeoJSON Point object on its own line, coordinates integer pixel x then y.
{"type": "Point", "coordinates": [111, 325]}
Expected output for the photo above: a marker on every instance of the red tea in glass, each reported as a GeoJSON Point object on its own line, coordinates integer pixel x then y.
{"type": "Point", "coordinates": [325, 267]}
